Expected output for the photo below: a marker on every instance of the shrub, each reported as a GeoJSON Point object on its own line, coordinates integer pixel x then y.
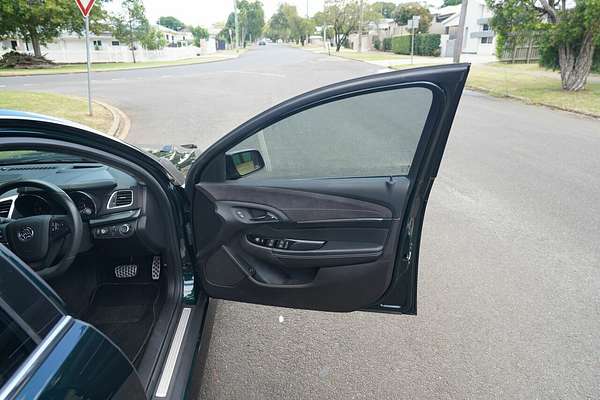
{"type": "Point", "coordinates": [426, 44]}
{"type": "Point", "coordinates": [401, 44]}
{"type": "Point", "coordinates": [376, 43]}
{"type": "Point", "coordinates": [387, 44]}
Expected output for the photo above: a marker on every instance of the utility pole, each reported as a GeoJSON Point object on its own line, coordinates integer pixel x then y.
{"type": "Point", "coordinates": [237, 27]}
{"type": "Point", "coordinates": [360, 25]}
{"type": "Point", "coordinates": [458, 42]}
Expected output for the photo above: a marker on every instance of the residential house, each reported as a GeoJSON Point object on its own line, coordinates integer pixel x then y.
{"type": "Point", "coordinates": [70, 47]}
{"type": "Point", "coordinates": [478, 37]}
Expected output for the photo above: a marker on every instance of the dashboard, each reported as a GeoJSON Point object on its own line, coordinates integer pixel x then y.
{"type": "Point", "coordinates": [114, 206]}
{"type": "Point", "coordinates": [30, 204]}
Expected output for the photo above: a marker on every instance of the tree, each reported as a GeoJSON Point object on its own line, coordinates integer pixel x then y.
{"type": "Point", "coordinates": [278, 26]}
{"type": "Point", "coordinates": [153, 39]}
{"type": "Point", "coordinates": [41, 21]}
{"type": "Point", "coordinates": [286, 25]}
{"type": "Point", "coordinates": [406, 11]}
{"type": "Point", "coordinates": [385, 8]}
{"type": "Point", "coordinates": [199, 33]}
{"type": "Point", "coordinates": [251, 19]}
{"type": "Point", "coordinates": [571, 27]}
{"type": "Point", "coordinates": [451, 3]}
{"type": "Point", "coordinates": [131, 25]}
{"type": "Point", "coordinates": [171, 23]}
{"type": "Point", "coordinates": [251, 22]}
{"type": "Point", "coordinates": [343, 16]}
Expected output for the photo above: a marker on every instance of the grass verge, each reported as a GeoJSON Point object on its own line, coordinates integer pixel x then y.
{"type": "Point", "coordinates": [99, 67]}
{"type": "Point", "coordinates": [533, 85]}
{"type": "Point", "coordinates": [55, 105]}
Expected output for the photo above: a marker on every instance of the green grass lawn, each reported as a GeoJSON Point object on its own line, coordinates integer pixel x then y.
{"type": "Point", "coordinates": [535, 85]}
{"type": "Point", "coordinates": [98, 67]}
{"type": "Point", "coordinates": [54, 105]}
{"type": "Point", "coordinates": [531, 84]}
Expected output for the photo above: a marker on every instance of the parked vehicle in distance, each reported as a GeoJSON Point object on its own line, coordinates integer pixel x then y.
{"type": "Point", "coordinates": [110, 255]}
{"type": "Point", "coordinates": [262, 42]}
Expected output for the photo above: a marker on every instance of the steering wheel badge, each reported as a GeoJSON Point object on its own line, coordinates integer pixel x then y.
{"type": "Point", "coordinates": [25, 234]}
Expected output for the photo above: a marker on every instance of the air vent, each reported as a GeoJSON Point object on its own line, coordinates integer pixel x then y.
{"type": "Point", "coordinates": [5, 206]}
{"type": "Point", "coordinates": [120, 198]}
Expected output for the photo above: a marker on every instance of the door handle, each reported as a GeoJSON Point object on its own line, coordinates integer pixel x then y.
{"type": "Point", "coordinates": [266, 217]}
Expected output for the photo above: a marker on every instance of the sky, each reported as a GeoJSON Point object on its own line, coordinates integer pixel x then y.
{"type": "Point", "coordinates": [208, 12]}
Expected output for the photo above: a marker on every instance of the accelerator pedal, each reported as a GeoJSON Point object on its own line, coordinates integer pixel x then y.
{"type": "Point", "coordinates": [155, 268]}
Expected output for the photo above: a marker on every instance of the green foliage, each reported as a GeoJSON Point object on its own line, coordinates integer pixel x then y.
{"type": "Point", "coordinates": [566, 31]}
{"type": "Point", "coordinates": [401, 44]}
{"type": "Point", "coordinates": [171, 23]}
{"type": "Point", "coordinates": [377, 43]}
{"type": "Point", "coordinates": [451, 3]}
{"type": "Point", "coordinates": [153, 39]}
{"type": "Point", "coordinates": [549, 57]}
{"type": "Point", "coordinates": [199, 33]}
{"type": "Point", "coordinates": [286, 25]}
{"type": "Point", "coordinates": [426, 44]}
{"type": "Point", "coordinates": [343, 16]}
{"type": "Point", "coordinates": [406, 11]}
{"type": "Point", "coordinates": [385, 8]}
{"type": "Point", "coordinates": [131, 25]}
{"type": "Point", "coordinates": [387, 44]}
{"type": "Point", "coordinates": [251, 21]}
{"type": "Point", "coordinates": [41, 21]}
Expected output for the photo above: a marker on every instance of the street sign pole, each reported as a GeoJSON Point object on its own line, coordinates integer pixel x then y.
{"type": "Point", "coordinates": [89, 62]}
{"type": "Point", "coordinates": [412, 43]}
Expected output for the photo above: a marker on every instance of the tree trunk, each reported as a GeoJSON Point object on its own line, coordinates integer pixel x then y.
{"type": "Point", "coordinates": [133, 53]}
{"type": "Point", "coordinates": [575, 68]}
{"type": "Point", "coordinates": [35, 43]}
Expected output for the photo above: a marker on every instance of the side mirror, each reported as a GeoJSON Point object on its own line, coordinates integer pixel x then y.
{"type": "Point", "coordinates": [242, 163]}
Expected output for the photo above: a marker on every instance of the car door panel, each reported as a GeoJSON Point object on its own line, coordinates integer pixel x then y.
{"type": "Point", "coordinates": [336, 243]}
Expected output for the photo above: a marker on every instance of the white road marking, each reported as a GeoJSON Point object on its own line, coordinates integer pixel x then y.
{"type": "Point", "coordinates": [256, 73]}
{"type": "Point", "coordinates": [166, 76]}
{"type": "Point", "coordinates": [29, 84]}
{"type": "Point", "coordinates": [383, 70]}
{"type": "Point", "coordinates": [2, 85]}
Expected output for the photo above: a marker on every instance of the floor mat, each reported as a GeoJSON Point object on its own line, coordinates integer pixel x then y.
{"type": "Point", "coordinates": [125, 312]}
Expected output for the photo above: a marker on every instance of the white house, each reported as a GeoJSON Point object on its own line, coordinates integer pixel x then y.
{"type": "Point", "coordinates": [70, 48]}
{"type": "Point", "coordinates": [478, 37]}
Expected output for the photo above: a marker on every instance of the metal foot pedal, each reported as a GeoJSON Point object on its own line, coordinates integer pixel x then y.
{"type": "Point", "coordinates": [126, 271]}
{"type": "Point", "coordinates": [155, 268]}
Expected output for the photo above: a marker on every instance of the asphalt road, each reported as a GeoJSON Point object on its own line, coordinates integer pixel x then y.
{"type": "Point", "coordinates": [509, 282]}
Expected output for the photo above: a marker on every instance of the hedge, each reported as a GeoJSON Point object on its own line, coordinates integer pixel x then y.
{"type": "Point", "coordinates": [426, 44]}
{"type": "Point", "coordinates": [387, 44]}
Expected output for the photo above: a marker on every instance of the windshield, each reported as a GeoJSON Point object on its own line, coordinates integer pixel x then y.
{"type": "Point", "coordinates": [37, 157]}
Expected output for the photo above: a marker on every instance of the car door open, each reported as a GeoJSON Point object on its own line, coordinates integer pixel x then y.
{"type": "Point", "coordinates": [318, 203]}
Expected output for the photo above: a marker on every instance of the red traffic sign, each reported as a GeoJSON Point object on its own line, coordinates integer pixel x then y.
{"type": "Point", "coordinates": [85, 6]}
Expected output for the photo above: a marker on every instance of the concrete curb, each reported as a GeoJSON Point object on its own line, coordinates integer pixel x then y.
{"type": "Point", "coordinates": [121, 122]}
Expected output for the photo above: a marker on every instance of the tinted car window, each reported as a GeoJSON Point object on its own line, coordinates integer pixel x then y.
{"type": "Point", "coordinates": [374, 134]}
{"type": "Point", "coordinates": [15, 346]}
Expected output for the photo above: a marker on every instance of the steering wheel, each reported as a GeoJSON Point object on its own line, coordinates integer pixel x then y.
{"type": "Point", "coordinates": [41, 239]}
